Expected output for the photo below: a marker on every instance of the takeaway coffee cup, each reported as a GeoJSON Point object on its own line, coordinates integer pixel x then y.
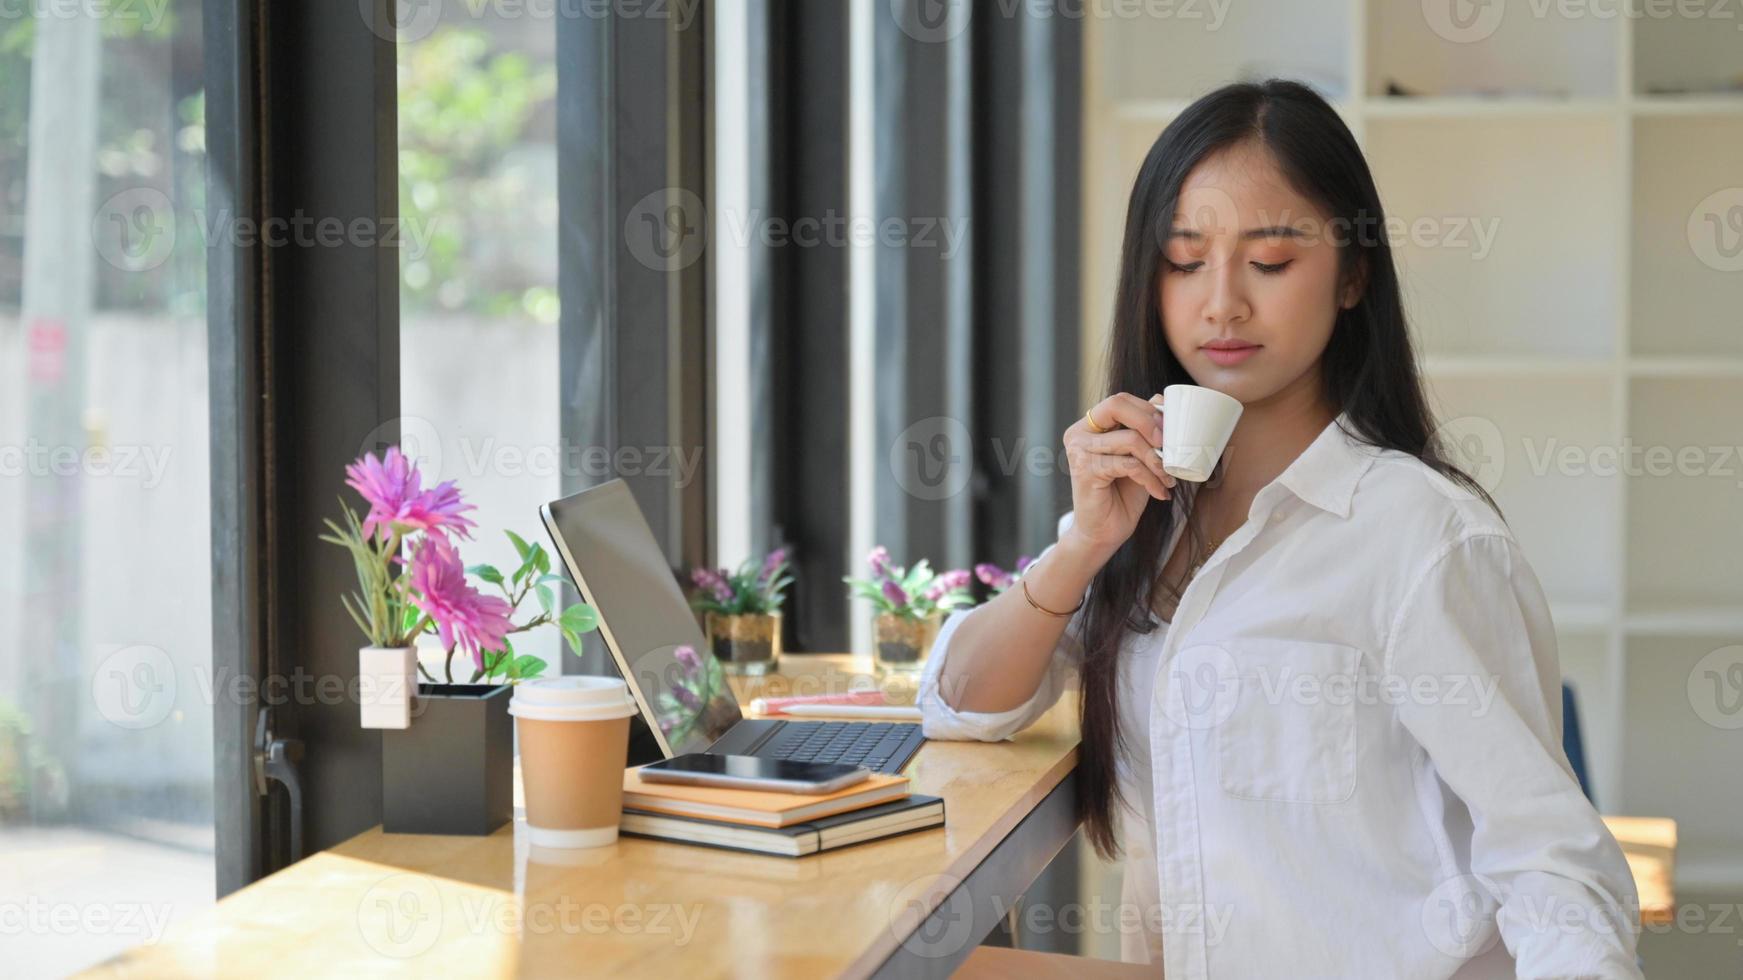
{"type": "Point", "coordinates": [1196, 425]}
{"type": "Point", "coordinates": [574, 745]}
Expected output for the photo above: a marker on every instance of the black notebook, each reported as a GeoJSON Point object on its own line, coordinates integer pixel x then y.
{"type": "Point", "coordinates": [914, 812]}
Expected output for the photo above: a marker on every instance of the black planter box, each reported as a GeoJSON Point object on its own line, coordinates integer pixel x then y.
{"type": "Point", "coordinates": [452, 771]}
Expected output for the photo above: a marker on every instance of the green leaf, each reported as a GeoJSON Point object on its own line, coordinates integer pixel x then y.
{"type": "Point", "coordinates": [578, 618]}
{"type": "Point", "coordinates": [544, 560]}
{"type": "Point", "coordinates": [529, 666]}
{"type": "Point", "coordinates": [867, 590]}
{"type": "Point", "coordinates": [486, 572]}
{"type": "Point", "coordinates": [356, 617]}
{"type": "Point", "coordinates": [547, 599]}
{"type": "Point", "coordinates": [530, 562]}
{"type": "Point", "coordinates": [520, 545]}
{"type": "Point", "coordinates": [494, 661]}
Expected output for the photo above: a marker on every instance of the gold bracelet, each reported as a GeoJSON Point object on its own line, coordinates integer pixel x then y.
{"type": "Point", "coordinates": [1037, 605]}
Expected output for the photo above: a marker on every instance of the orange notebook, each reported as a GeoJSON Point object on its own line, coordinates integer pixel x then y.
{"type": "Point", "coordinates": [760, 808]}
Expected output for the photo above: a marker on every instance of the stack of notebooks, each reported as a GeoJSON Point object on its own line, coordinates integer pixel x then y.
{"type": "Point", "coordinates": [789, 824]}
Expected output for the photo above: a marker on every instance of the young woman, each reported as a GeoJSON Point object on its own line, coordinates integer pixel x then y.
{"type": "Point", "coordinates": [1321, 710]}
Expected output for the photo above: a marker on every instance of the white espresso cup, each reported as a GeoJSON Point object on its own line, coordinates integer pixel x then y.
{"type": "Point", "coordinates": [1196, 425]}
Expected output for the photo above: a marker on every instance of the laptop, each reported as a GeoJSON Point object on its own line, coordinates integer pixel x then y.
{"type": "Point", "coordinates": [686, 705]}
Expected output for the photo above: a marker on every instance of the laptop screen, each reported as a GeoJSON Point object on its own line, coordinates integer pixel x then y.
{"type": "Point", "coordinates": [612, 556]}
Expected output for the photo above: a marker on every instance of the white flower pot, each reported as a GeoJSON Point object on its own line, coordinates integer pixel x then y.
{"type": "Point", "coordinates": [387, 680]}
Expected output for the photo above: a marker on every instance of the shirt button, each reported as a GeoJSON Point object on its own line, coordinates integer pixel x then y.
{"type": "Point", "coordinates": [1277, 516]}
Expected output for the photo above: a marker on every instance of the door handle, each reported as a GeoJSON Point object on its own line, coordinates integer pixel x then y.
{"type": "Point", "coordinates": [275, 760]}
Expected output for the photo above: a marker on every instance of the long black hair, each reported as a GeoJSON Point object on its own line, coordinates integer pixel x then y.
{"type": "Point", "coordinates": [1368, 368]}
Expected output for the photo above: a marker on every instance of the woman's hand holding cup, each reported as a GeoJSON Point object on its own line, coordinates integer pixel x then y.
{"type": "Point", "coordinates": [1116, 472]}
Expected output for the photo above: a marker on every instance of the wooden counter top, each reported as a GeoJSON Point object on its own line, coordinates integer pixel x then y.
{"type": "Point", "coordinates": [383, 904]}
{"type": "Point", "coordinates": [1649, 844]}
{"type": "Point", "coordinates": [496, 907]}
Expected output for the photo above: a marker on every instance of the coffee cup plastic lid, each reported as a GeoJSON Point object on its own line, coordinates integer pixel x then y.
{"type": "Point", "coordinates": [573, 698]}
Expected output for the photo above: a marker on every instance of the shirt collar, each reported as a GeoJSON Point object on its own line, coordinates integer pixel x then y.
{"type": "Point", "coordinates": [1327, 471]}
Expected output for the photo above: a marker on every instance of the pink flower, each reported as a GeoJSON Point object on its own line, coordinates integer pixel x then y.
{"type": "Point", "coordinates": [993, 575]}
{"type": "Point", "coordinates": [879, 560]}
{"type": "Point", "coordinates": [686, 697]}
{"type": "Point", "coordinates": [951, 581]}
{"type": "Point", "coordinates": [465, 618]}
{"type": "Point", "coordinates": [895, 594]}
{"type": "Point", "coordinates": [772, 562]}
{"type": "Point", "coordinates": [714, 582]}
{"type": "Point", "coordinates": [686, 655]}
{"type": "Point", "coordinates": [394, 491]}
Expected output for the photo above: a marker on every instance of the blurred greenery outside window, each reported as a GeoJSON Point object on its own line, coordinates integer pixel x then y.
{"type": "Point", "coordinates": [465, 108]}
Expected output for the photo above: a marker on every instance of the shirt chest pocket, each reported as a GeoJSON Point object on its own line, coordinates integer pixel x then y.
{"type": "Point", "coordinates": [1291, 734]}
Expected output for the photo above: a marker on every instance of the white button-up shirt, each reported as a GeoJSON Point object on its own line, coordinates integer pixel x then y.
{"type": "Point", "coordinates": [1354, 764]}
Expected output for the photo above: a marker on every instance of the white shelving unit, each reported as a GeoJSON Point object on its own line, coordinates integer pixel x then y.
{"type": "Point", "coordinates": [1608, 314]}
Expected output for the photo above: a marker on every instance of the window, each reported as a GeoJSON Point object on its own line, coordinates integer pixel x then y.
{"type": "Point", "coordinates": [106, 772]}
{"type": "Point", "coordinates": [478, 272]}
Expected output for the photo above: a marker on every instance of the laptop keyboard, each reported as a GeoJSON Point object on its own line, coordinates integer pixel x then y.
{"type": "Point", "coordinates": [853, 743]}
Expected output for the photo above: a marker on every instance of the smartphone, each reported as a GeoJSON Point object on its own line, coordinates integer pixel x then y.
{"type": "Point", "coordinates": [751, 772]}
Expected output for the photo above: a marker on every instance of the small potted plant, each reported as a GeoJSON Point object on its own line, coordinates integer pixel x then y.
{"type": "Point", "coordinates": [447, 747]}
{"type": "Point", "coordinates": [742, 612]}
{"type": "Point", "coordinates": [909, 606]}
{"type": "Point", "coordinates": [403, 516]}
{"type": "Point", "coordinates": [691, 703]}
